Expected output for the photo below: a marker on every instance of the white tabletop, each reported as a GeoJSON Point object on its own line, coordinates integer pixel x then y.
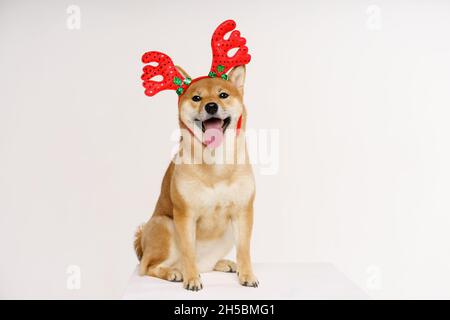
{"type": "Point", "coordinates": [277, 281]}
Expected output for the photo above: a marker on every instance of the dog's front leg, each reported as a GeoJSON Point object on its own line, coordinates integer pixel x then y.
{"type": "Point", "coordinates": [185, 229]}
{"type": "Point", "coordinates": [242, 226]}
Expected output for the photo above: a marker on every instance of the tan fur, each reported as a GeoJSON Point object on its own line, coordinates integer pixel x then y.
{"type": "Point", "coordinates": [137, 242]}
{"type": "Point", "coordinates": [201, 205]}
{"type": "Point", "coordinates": [225, 266]}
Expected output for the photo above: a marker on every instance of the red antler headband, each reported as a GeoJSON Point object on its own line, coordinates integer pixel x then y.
{"type": "Point", "coordinates": [174, 80]}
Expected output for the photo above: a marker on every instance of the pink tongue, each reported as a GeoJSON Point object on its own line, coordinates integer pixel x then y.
{"type": "Point", "coordinates": [213, 133]}
{"type": "Point", "coordinates": [213, 124]}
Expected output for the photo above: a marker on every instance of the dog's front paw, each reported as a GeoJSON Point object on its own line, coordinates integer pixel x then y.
{"type": "Point", "coordinates": [248, 280]}
{"type": "Point", "coordinates": [193, 283]}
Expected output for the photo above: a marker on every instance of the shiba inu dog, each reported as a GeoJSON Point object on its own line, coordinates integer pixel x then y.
{"type": "Point", "coordinates": [204, 208]}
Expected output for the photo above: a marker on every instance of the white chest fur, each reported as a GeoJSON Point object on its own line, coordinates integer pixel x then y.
{"type": "Point", "coordinates": [208, 252]}
{"type": "Point", "coordinates": [235, 193]}
{"type": "Point", "coordinates": [212, 205]}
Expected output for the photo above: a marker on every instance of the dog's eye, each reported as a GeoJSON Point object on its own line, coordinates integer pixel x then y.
{"type": "Point", "coordinates": [196, 98]}
{"type": "Point", "coordinates": [223, 95]}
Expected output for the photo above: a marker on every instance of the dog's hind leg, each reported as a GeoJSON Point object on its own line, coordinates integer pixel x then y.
{"type": "Point", "coordinates": [160, 258]}
{"type": "Point", "coordinates": [170, 274]}
{"type": "Point", "coordinates": [225, 265]}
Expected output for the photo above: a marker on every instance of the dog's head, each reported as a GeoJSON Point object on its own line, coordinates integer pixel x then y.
{"type": "Point", "coordinates": [210, 106]}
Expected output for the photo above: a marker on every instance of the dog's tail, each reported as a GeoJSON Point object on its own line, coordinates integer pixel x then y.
{"type": "Point", "coordinates": [138, 242]}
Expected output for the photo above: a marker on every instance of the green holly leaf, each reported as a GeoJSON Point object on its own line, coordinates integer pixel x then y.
{"type": "Point", "coordinates": [212, 74]}
{"type": "Point", "coordinates": [220, 68]}
{"type": "Point", "coordinates": [179, 91]}
{"type": "Point", "coordinates": [177, 81]}
{"type": "Point", "coordinates": [187, 81]}
{"type": "Point", "coordinates": [224, 77]}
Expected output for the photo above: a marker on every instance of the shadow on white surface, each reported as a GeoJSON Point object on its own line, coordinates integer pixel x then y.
{"type": "Point", "coordinates": [277, 281]}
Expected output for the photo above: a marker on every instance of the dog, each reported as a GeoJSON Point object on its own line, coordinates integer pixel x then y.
{"type": "Point", "coordinates": [204, 209]}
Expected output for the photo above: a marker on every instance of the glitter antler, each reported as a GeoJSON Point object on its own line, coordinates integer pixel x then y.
{"type": "Point", "coordinates": [220, 47]}
{"type": "Point", "coordinates": [160, 64]}
{"type": "Point", "coordinates": [172, 78]}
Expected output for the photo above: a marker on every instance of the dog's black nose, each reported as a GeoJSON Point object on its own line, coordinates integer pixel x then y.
{"type": "Point", "coordinates": [211, 107]}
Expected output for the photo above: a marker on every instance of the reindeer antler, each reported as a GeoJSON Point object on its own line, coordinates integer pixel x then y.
{"type": "Point", "coordinates": [172, 79]}
{"type": "Point", "coordinates": [220, 47]}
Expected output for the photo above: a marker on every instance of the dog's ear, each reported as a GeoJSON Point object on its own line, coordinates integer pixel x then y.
{"type": "Point", "coordinates": [237, 77]}
{"type": "Point", "coordinates": [183, 73]}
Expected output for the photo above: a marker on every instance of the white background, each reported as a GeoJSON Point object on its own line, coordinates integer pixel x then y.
{"type": "Point", "coordinates": [360, 94]}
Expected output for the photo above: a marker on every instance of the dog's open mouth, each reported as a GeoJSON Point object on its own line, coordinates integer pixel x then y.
{"type": "Point", "coordinates": [214, 123]}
